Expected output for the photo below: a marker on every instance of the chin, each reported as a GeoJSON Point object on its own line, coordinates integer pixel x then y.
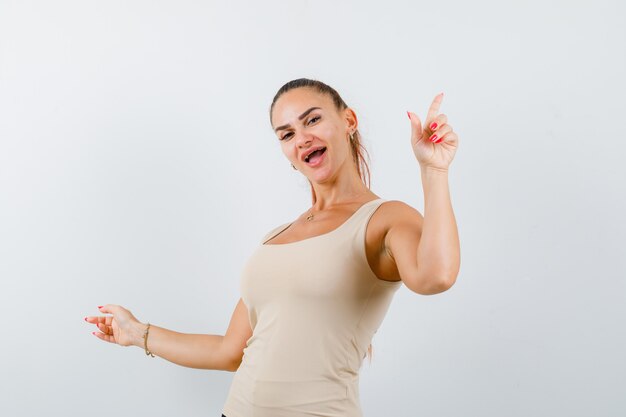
{"type": "Point", "coordinates": [322, 175]}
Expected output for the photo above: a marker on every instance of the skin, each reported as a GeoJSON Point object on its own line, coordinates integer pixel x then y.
{"type": "Point", "coordinates": [401, 244]}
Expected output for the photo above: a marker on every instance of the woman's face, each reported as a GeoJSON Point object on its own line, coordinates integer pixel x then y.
{"type": "Point", "coordinates": [303, 120]}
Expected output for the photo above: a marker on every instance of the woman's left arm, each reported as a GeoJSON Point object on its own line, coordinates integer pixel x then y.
{"type": "Point", "coordinates": [438, 253]}
{"type": "Point", "coordinates": [436, 265]}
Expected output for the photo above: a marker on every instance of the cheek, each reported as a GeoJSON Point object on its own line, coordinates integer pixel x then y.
{"type": "Point", "coordinates": [327, 131]}
{"type": "Point", "coordinates": [332, 136]}
{"type": "Point", "coordinates": [289, 152]}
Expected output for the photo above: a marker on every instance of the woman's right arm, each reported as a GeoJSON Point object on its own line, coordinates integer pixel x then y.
{"type": "Point", "coordinates": [200, 351]}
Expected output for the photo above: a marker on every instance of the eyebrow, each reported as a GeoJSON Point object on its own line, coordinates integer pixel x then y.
{"type": "Point", "coordinates": [302, 116]}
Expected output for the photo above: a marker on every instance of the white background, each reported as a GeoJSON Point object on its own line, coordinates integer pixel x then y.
{"type": "Point", "coordinates": [138, 167]}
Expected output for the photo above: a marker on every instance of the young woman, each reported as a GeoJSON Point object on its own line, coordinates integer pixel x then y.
{"type": "Point", "coordinates": [316, 289]}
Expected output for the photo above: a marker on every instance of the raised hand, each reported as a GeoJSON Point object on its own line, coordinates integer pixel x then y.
{"type": "Point", "coordinates": [121, 328]}
{"type": "Point", "coordinates": [435, 144]}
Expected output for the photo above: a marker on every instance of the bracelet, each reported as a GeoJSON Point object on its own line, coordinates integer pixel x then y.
{"type": "Point", "coordinates": [145, 341]}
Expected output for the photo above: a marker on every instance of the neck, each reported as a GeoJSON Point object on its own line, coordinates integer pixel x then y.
{"type": "Point", "coordinates": [342, 190]}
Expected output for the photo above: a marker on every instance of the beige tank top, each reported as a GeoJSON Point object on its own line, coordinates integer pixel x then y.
{"type": "Point", "coordinates": [314, 306]}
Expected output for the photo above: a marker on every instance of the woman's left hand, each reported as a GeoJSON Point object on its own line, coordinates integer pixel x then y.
{"type": "Point", "coordinates": [437, 154]}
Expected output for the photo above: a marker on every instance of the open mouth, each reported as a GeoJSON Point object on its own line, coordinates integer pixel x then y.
{"type": "Point", "coordinates": [315, 157]}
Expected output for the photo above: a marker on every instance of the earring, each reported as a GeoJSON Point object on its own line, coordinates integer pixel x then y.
{"type": "Point", "coordinates": [351, 137]}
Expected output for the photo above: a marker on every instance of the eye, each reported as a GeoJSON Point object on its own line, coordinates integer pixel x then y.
{"type": "Point", "coordinates": [310, 120]}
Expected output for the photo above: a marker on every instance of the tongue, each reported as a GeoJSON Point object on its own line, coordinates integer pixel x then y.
{"type": "Point", "coordinates": [315, 156]}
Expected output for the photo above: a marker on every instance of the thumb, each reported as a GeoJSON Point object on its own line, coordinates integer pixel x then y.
{"type": "Point", "coordinates": [110, 309]}
{"type": "Point", "coordinates": [120, 313]}
{"type": "Point", "coordinates": [416, 126]}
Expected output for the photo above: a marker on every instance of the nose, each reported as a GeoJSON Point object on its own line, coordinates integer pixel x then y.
{"type": "Point", "coordinates": [303, 139]}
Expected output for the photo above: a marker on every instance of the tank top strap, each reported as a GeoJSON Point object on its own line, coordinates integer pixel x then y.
{"type": "Point", "coordinates": [359, 220]}
{"type": "Point", "coordinates": [354, 228]}
{"type": "Point", "coordinates": [274, 232]}
{"type": "Point", "coordinates": [369, 209]}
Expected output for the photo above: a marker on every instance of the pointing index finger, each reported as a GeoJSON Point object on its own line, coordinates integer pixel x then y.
{"type": "Point", "coordinates": [433, 111]}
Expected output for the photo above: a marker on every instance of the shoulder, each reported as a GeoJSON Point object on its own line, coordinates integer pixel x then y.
{"type": "Point", "coordinates": [397, 217]}
{"type": "Point", "coordinates": [395, 212]}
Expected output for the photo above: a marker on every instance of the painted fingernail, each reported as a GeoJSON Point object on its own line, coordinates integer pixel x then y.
{"type": "Point", "coordinates": [440, 139]}
{"type": "Point", "coordinates": [433, 138]}
{"type": "Point", "coordinates": [93, 333]}
{"type": "Point", "coordinates": [100, 306]}
{"type": "Point", "coordinates": [85, 318]}
{"type": "Point", "coordinates": [408, 114]}
{"type": "Point", "coordinates": [433, 126]}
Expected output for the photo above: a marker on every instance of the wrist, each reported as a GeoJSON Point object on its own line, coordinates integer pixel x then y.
{"type": "Point", "coordinates": [137, 330]}
{"type": "Point", "coordinates": [430, 174]}
{"type": "Point", "coordinates": [429, 169]}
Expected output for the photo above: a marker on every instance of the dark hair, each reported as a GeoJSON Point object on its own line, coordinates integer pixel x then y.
{"type": "Point", "coordinates": [357, 148]}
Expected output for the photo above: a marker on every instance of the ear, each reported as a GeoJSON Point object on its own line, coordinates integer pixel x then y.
{"type": "Point", "coordinates": [352, 122]}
